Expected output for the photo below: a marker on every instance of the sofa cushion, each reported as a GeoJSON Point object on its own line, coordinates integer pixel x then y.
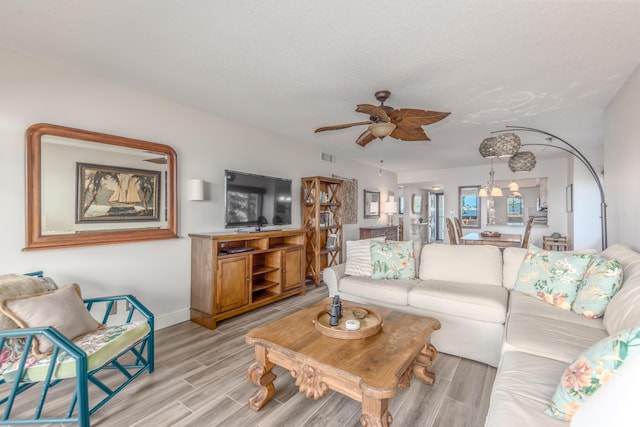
{"type": "Point", "coordinates": [624, 254]}
{"type": "Point", "coordinates": [474, 264]}
{"type": "Point", "coordinates": [478, 302]}
{"type": "Point", "coordinates": [590, 370]}
{"type": "Point", "coordinates": [552, 276]}
{"type": "Point", "coordinates": [391, 291]}
{"type": "Point", "coordinates": [622, 311]}
{"type": "Point", "coordinates": [522, 391]}
{"type": "Point", "coordinates": [359, 256]}
{"type": "Point", "coordinates": [512, 259]}
{"type": "Point", "coordinates": [549, 337]}
{"type": "Point", "coordinates": [392, 260]}
{"type": "Point", "coordinates": [524, 304]}
{"type": "Point", "coordinates": [601, 281]}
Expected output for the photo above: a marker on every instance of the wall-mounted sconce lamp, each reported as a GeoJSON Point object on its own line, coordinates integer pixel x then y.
{"type": "Point", "coordinates": [196, 189]}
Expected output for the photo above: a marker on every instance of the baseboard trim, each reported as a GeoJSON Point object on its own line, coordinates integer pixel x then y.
{"type": "Point", "coordinates": [170, 319]}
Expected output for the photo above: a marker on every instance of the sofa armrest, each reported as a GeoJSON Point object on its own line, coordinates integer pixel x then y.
{"type": "Point", "coordinates": [332, 275]}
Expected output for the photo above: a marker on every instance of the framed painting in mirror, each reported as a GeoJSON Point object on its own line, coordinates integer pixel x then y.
{"type": "Point", "coordinates": [371, 204]}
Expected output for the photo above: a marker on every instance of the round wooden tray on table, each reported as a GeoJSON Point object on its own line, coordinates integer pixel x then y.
{"type": "Point", "coordinates": [369, 325]}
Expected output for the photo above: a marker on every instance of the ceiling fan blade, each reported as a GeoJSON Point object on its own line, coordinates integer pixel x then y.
{"type": "Point", "coordinates": [413, 117]}
{"type": "Point", "coordinates": [413, 133]}
{"type": "Point", "coordinates": [365, 138]}
{"type": "Point", "coordinates": [347, 125]}
{"type": "Point", "coordinates": [373, 110]}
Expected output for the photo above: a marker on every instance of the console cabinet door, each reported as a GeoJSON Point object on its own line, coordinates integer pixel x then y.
{"type": "Point", "coordinates": [232, 283]}
{"type": "Point", "coordinates": [293, 269]}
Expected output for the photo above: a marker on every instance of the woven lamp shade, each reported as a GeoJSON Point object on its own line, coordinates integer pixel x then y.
{"type": "Point", "coordinates": [523, 161]}
{"type": "Point", "coordinates": [507, 144]}
{"type": "Point", "coordinates": [488, 148]}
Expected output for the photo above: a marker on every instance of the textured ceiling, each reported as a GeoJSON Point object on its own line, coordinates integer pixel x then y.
{"type": "Point", "coordinates": [291, 66]}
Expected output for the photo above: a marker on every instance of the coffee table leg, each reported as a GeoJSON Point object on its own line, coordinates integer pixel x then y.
{"type": "Point", "coordinates": [425, 358]}
{"type": "Point", "coordinates": [375, 412]}
{"type": "Point", "coordinates": [260, 374]}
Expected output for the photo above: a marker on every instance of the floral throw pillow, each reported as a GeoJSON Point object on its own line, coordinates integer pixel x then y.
{"type": "Point", "coordinates": [392, 260]}
{"type": "Point", "coordinates": [552, 276]}
{"type": "Point", "coordinates": [601, 281]}
{"type": "Point", "coordinates": [590, 370]}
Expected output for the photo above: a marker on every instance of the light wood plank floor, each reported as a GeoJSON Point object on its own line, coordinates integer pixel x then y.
{"type": "Point", "coordinates": [201, 380]}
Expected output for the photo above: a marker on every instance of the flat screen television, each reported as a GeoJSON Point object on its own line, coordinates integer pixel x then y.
{"type": "Point", "coordinates": [256, 200]}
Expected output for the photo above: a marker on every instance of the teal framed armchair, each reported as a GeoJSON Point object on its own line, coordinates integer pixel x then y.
{"type": "Point", "coordinates": [124, 345]}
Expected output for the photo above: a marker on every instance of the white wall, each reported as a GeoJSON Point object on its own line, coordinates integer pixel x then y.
{"type": "Point", "coordinates": [157, 272]}
{"type": "Point", "coordinates": [622, 169]}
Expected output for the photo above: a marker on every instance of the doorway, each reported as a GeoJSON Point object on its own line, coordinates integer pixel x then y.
{"type": "Point", "coordinates": [436, 217]}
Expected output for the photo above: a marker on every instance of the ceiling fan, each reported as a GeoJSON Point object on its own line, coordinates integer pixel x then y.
{"type": "Point", "coordinates": [402, 123]}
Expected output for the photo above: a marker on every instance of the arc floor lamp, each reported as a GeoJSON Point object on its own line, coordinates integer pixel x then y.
{"type": "Point", "coordinates": [576, 153]}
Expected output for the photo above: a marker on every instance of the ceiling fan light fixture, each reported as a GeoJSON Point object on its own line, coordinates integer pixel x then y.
{"type": "Point", "coordinates": [507, 144]}
{"type": "Point", "coordinates": [381, 129]}
{"type": "Point", "coordinates": [524, 161]}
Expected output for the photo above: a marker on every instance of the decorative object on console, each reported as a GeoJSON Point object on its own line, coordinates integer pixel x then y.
{"type": "Point", "coordinates": [404, 123]}
{"type": "Point", "coordinates": [491, 234]}
{"type": "Point", "coordinates": [552, 276]}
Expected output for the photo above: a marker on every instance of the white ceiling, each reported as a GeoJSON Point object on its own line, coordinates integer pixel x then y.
{"type": "Point", "coordinates": [291, 66]}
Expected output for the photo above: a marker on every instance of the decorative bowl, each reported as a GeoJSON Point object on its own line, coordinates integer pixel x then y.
{"type": "Point", "coordinates": [359, 313]}
{"type": "Point", "coordinates": [490, 234]}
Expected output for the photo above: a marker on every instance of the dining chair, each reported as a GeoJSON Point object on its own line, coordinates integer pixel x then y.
{"type": "Point", "coordinates": [452, 232]}
{"type": "Point", "coordinates": [527, 233]}
{"type": "Point", "coordinates": [458, 225]}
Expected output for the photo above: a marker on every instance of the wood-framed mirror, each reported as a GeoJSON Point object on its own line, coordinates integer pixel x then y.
{"type": "Point", "coordinates": [88, 188]}
{"type": "Point", "coordinates": [469, 206]}
{"type": "Point", "coordinates": [371, 204]}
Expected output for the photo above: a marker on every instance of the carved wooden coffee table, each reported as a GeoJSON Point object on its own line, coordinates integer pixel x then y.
{"type": "Point", "coordinates": [368, 370]}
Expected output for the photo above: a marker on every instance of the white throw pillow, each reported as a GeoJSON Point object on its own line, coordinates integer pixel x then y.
{"type": "Point", "coordinates": [359, 256]}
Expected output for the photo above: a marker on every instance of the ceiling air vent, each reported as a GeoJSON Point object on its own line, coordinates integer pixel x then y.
{"type": "Point", "coordinates": [328, 157]}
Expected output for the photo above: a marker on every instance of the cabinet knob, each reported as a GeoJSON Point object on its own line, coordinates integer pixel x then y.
{"type": "Point", "coordinates": [284, 270]}
{"type": "Point", "coordinates": [247, 279]}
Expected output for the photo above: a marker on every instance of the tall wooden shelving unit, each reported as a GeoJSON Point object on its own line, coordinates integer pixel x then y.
{"type": "Point", "coordinates": [321, 217]}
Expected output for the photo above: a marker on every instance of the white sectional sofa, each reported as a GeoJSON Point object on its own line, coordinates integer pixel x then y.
{"type": "Point", "coordinates": [470, 290]}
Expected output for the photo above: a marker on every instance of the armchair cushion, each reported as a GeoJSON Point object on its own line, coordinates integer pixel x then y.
{"type": "Point", "coordinates": [62, 309]}
{"type": "Point", "coordinates": [14, 285]}
{"type": "Point", "coordinates": [100, 346]}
